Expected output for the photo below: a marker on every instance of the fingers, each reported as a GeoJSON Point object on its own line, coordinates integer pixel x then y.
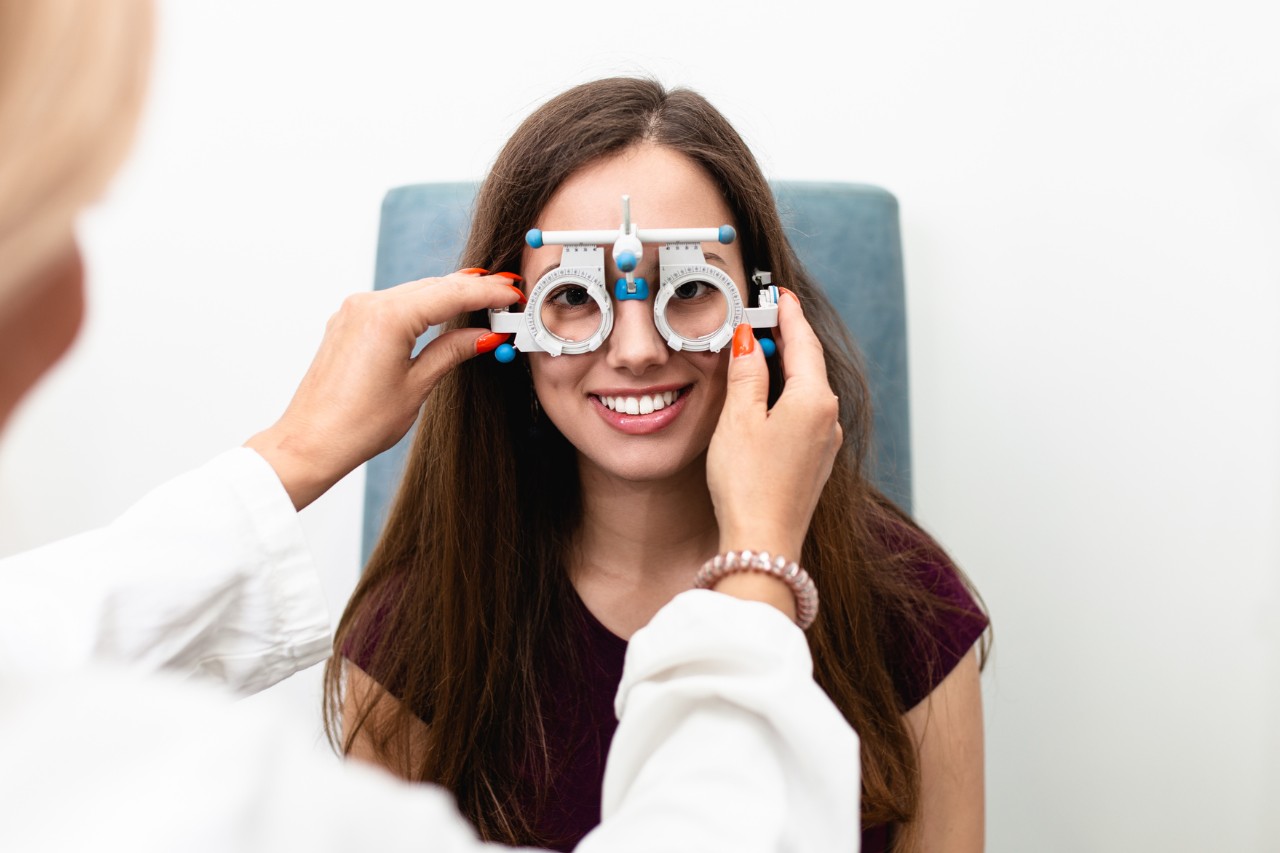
{"type": "Point", "coordinates": [805, 369]}
{"type": "Point", "coordinates": [798, 346]}
{"type": "Point", "coordinates": [428, 302]}
{"type": "Point", "coordinates": [470, 272]}
{"type": "Point", "coordinates": [748, 385]}
{"type": "Point", "coordinates": [443, 354]}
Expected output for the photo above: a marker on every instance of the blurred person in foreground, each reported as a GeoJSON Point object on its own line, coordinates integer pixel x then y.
{"type": "Point", "coordinates": [120, 648]}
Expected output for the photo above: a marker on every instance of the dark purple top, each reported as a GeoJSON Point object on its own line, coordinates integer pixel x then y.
{"type": "Point", "coordinates": [581, 723]}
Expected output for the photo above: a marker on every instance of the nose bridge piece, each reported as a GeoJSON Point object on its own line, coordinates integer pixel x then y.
{"type": "Point", "coordinates": [631, 287]}
{"type": "Point", "coordinates": [635, 342]}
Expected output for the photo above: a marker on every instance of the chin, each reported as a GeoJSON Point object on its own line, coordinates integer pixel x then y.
{"type": "Point", "coordinates": [645, 466]}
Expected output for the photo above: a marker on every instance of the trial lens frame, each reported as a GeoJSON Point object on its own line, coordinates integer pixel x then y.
{"type": "Point", "coordinates": [681, 261]}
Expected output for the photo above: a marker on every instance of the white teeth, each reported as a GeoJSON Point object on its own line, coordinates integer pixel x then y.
{"type": "Point", "coordinates": [645, 404]}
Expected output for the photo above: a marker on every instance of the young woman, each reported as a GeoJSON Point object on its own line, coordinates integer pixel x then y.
{"type": "Point", "coordinates": [539, 525]}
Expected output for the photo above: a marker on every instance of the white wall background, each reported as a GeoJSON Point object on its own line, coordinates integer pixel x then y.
{"type": "Point", "coordinates": [1091, 213]}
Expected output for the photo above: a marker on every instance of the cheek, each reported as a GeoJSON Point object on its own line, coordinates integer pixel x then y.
{"type": "Point", "coordinates": [541, 369]}
{"type": "Point", "coordinates": [553, 376]}
{"type": "Point", "coordinates": [713, 365]}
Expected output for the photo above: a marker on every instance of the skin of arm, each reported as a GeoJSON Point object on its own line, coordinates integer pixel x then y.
{"type": "Point", "coordinates": [947, 728]}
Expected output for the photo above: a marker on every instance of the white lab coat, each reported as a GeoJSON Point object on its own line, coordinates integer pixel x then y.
{"type": "Point", "coordinates": [117, 649]}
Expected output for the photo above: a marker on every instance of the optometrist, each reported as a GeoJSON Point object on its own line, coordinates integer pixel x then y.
{"type": "Point", "coordinates": [120, 649]}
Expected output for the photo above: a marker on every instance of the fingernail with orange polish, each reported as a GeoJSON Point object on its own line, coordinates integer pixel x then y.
{"type": "Point", "coordinates": [519, 293]}
{"type": "Point", "coordinates": [490, 342]}
{"type": "Point", "coordinates": [510, 275]}
{"type": "Point", "coordinates": [474, 271]}
{"type": "Point", "coordinates": [743, 341]}
{"type": "Point", "coordinates": [789, 293]}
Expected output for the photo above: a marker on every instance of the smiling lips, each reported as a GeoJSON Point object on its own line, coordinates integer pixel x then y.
{"type": "Point", "coordinates": [645, 404]}
{"type": "Point", "coordinates": [640, 414]}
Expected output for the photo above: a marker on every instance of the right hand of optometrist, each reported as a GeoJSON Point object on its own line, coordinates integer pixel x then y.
{"type": "Point", "coordinates": [364, 388]}
{"type": "Point", "coordinates": [766, 467]}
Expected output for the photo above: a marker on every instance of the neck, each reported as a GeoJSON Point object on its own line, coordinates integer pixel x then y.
{"type": "Point", "coordinates": [648, 532]}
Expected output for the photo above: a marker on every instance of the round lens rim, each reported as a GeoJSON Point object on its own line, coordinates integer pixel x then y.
{"type": "Point", "coordinates": [734, 309]}
{"type": "Point", "coordinates": [593, 284]}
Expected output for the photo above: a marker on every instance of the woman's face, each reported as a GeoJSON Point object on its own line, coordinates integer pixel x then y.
{"type": "Point", "coordinates": [667, 190]}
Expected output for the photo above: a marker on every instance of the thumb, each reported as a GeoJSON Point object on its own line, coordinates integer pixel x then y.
{"type": "Point", "coordinates": [444, 353]}
{"type": "Point", "coordinates": [748, 386]}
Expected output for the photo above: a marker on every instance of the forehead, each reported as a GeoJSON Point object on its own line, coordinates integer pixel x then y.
{"type": "Point", "coordinates": [667, 189]}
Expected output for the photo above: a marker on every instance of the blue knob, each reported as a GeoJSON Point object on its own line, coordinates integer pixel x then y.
{"type": "Point", "coordinates": [726, 234]}
{"type": "Point", "coordinates": [620, 290]}
{"type": "Point", "coordinates": [767, 346]}
{"type": "Point", "coordinates": [627, 261]}
{"type": "Point", "coordinates": [505, 353]}
{"type": "Point", "coordinates": [534, 238]}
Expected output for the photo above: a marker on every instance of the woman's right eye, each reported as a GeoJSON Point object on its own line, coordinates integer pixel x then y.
{"type": "Point", "coordinates": [693, 289]}
{"type": "Point", "coordinates": [571, 296]}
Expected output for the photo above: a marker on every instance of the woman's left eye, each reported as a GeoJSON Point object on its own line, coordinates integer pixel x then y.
{"type": "Point", "coordinates": [692, 289]}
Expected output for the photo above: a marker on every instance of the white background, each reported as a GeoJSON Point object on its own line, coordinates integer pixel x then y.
{"type": "Point", "coordinates": [1091, 213]}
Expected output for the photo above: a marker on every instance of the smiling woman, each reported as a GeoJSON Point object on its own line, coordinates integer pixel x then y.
{"type": "Point", "coordinates": [634, 367]}
{"type": "Point", "coordinates": [549, 510]}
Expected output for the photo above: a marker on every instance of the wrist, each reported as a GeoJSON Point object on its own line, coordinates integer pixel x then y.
{"type": "Point", "coordinates": [760, 539]}
{"type": "Point", "coordinates": [756, 570]}
{"type": "Point", "coordinates": [302, 470]}
{"type": "Point", "coordinates": [754, 586]}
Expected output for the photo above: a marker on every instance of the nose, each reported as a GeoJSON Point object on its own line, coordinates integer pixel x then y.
{"type": "Point", "coordinates": [634, 344]}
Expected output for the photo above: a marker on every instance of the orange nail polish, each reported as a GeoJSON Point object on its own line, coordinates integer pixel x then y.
{"type": "Point", "coordinates": [743, 341]}
{"type": "Point", "coordinates": [490, 342]}
{"type": "Point", "coordinates": [510, 275]}
{"type": "Point", "coordinates": [789, 293]}
{"type": "Point", "coordinates": [474, 271]}
{"type": "Point", "coordinates": [519, 293]}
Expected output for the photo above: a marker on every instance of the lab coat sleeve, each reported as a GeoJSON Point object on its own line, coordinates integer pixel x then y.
{"type": "Point", "coordinates": [207, 576]}
{"type": "Point", "coordinates": [725, 742]}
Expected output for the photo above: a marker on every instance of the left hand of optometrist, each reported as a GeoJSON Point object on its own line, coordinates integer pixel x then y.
{"type": "Point", "coordinates": [364, 388]}
{"type": "Point", "coordinates": [766, 468]}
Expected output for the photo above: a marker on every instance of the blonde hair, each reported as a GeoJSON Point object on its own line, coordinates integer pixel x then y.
{"type": "Point", "coordinates": [72, 82]}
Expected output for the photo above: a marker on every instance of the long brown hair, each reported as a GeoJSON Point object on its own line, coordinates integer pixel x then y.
{"type": "Point", "coordinates": [467, 592]}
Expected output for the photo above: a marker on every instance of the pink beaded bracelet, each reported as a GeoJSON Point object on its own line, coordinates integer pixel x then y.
{"type": "Point", "coordinates": [790, 573]}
